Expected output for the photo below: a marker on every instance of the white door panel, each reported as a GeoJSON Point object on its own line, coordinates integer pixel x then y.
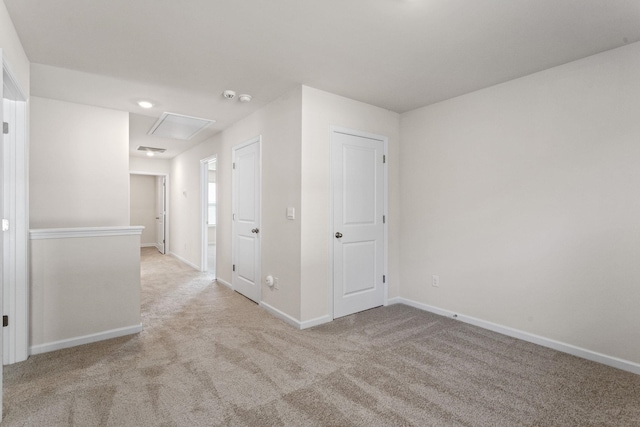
{"type": "Point", "coordinates": [359, 185]}
{"type": "Point", "coordinates": [3, 264]}
{"type": "Point", "coordinates": [246, 222]}
{"type": "Point", "coordinates": [358, 205]}
{"type": "Point", "coordinates": [358, 272]}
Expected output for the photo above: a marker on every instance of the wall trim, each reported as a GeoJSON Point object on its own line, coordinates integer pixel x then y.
{"type": "Point", "coordinates": [280, 315]}
{"type": "Point", "coordinates": [625, 365]}
{"type": "Point", "coordinates": [148, 245]}
{"type": "Point", "coordinates": [292, 321]}
{"type": "Point", "coordinates": [225, 283]}
{"type": "Point", "coordinates": [315, 322]}
{"type": "Point", "coordinates": [179, 258]}
{"type": "Point", "coordinates": [70, 233]}
{"type": "Point", "coordinates": [85, 339]}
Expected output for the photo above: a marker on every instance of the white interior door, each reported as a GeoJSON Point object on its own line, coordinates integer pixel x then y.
{"type": "Point", "coordinates": [161, 203]}
{"type": "Point", "coordinates": [246, 219]}
{"type": "Point", "coordinates": [2, 237]}
{"type": "Point", "coordinates": [358, 181]}
{"type": "Point", "coordinates": [14, 268]}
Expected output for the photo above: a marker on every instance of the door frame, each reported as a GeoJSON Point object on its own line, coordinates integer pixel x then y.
{"type": "Point", "coordinates": [15, 208]}
{"type": "Point", "coordinates": [385, 141]}
{"type": "Point", "coordinates": [204, 210]}
{"type": "Point", "coordinates": [166, 203]}
{"type": "Point", "coordinates": [257, 139]}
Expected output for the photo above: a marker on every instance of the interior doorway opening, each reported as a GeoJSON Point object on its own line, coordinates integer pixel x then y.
{"type": "Point", "coordinates": [209, 218]}
{"type": "Point", "coordinates": [149, 208]}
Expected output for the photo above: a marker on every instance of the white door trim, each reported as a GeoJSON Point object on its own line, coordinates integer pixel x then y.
{"type": "Point", "coordinates": [258, 140]}
{"type": "Point", "coordinates": [167, 195]}
{"type": "Point", "coordinates": [16, 210]}
{"type": "Point", "coordinates": [343, 130]}
{"type": "Point", "coordinates": [204, 210]}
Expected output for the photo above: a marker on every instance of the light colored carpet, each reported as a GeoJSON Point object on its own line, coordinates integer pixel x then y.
{"type": "Point", "coordinates": [210, 357]}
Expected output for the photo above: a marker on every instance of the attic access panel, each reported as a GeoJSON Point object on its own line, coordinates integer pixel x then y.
{"type": "Point", "coordinates": [177, 126]}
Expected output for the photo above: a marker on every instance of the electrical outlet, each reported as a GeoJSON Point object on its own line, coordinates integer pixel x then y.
{"type": "Point", "coordinates": [435, 281]}
{"type": "Point", "coordinates": [275, 283]}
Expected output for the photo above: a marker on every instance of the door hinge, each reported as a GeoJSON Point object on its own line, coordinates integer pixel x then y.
{"type": "Point", "coordinates": [233, 217]}
{"type": "Point", "coordinates": [384, 219]}
{"type": "Point", "coordinates": [5, 128]}
{"type": "Point", "coordinates": [234, 165]}
{"type": "Point", "coordinates": [384, 158]}
{"type": "Point", "coordinates": [384, 279]}
{"type": "Point", "coordinates": [234, 267]}
{"type": "Point", "coordinates": [5, 321]}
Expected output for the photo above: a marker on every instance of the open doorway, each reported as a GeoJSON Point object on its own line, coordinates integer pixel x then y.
{"type": "Point", "coordinates": [148, 207]}
{"type": "Point", "coordinates": [209, 197]}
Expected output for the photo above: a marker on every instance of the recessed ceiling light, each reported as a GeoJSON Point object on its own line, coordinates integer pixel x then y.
{"type": "Point", "coordinates": [150, 154]}
{"type": "Point", "coordinates": [145, 104]}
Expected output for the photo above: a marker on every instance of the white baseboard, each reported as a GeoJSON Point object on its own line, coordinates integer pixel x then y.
{"type": "Point", "coordinates": [148, 245]}
{"type": "Point", "coordinates": [189, 263]}
{"type": "Point", "coordinates": [294, 322]}
{"type": "Point", "coordinates": [584, 353]}
{"type": "Point", "coordinates": [225, 283]}
{"type": "Point", "coordinates": [86, 339]}
{"type": "Point", "coordinates": [315, 322]}
{"type": "Point", "coordinates": [280, 315]}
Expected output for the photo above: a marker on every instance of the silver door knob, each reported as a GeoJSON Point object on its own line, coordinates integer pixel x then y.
{"type": "Point", "coordinates": [255, 230]}
{"type": "Point", "coordinates": [338, 235]}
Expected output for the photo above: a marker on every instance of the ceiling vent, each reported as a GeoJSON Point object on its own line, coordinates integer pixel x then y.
{"type": "Point", "coordinates": [151, 149]}
{"type": "Point", "coordinates": [177, 126]}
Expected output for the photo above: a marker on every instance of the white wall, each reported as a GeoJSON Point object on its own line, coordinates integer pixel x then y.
{"type": "Point", "coordinates": [149, 165]}
{"type": "Point", "coordinates": [79, 165]}
{"type": "Point", "coordinates": [320, 110]}
{"type": "Point", "coordinates": [524, 199]}
{"type": "Point", "coordinates": [12, 49]}
{"type": "Point", "coordinates": [279, 123]}
{"type": "Point", "coordinates": [83, 288]}
{"type": "Point", "coordinates": [143, 207]}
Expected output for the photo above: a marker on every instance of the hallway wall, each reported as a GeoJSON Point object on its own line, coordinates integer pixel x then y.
{"type": "Point", "coordinates": [79, 165]}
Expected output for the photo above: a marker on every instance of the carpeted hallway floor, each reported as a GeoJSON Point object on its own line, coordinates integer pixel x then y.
{"type": "Point", "coordinates": [210, 357]}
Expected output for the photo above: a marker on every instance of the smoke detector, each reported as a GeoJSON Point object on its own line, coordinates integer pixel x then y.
{"type": "Point", "coordinates": [245, 98]}
{"type": "Point", "coordinates": [229, 94]}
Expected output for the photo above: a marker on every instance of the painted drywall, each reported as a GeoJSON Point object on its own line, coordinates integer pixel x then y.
{"type": "Point", "coordinates": [149, 165]}
{"type": "Point", "coordinates": [320, 110]}
{"type": "Point", "coordinates": [83, 287]}
{"type": "Point", "coordinates": [143, 207]}
{"type": "Point", "coordinates": [279, 124]}
{"type": "Point", "coordinates": [12, 50]}
{"type": "Point", "coordinates": [79, 165]}
{"type": "Point", "coordinates": [523, 198]}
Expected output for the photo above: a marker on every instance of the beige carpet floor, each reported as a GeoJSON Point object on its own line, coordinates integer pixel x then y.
{"type": "Point", "coordinates": [210, 357]}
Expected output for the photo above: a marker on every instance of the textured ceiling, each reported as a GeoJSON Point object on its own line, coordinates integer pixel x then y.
{"type": "Point", "coordinates": [396, 54]}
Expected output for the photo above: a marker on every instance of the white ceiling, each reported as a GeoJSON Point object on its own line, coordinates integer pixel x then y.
{"type": "Point", "coordinates": [396, 54]}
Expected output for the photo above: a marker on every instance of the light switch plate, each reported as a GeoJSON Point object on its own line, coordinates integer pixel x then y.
{"type": "Point", "coordinates": [291, 213]}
